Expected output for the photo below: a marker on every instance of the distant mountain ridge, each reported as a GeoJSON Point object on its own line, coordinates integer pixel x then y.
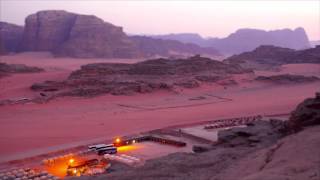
{"type": "Point", "coordinates": [68, 34]}
{"type": "Point", "coordinates": [246, 40]}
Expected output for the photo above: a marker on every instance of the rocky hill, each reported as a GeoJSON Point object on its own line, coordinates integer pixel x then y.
{"type": "Point", "coordinates": [142, 77]}
{"type": "Point", "coordinates": [10, 37]}
{"type": "Point", "coordinates": [265, 57]}
{"type": "Point", "coordinates": [247, 40]}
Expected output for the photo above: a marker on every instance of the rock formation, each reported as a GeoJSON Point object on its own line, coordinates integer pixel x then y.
{"type": "Point", "coordinates": [69, 34]}
{"type": "Point", "coordinates": [265, 57]}
{"type": "Point", "coordinates": [10, 37]}
{"type": "Point", "coordinates": [142, 77]}
{"type": "Point", "coordinates": [7, 69]}
{"type": "Point", "coordinates": [247, 40]}
{"type": "Point", "coordinates": [307, 113]}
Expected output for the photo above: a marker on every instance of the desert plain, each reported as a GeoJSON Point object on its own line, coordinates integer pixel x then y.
{"type": "Point", "coordinates": [28, 129]}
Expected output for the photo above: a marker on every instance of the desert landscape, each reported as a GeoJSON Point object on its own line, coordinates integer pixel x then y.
{"type": "Point", "coordinates": [215, 108]}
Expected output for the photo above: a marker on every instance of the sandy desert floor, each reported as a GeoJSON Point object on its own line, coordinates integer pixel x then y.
{"type": "Point", "coordinates": [28, 129]}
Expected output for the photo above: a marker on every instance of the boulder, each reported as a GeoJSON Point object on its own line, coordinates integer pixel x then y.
{"type": "Point", "coordinates": [306, 113]}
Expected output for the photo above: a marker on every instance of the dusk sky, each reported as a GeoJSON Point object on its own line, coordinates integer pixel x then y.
{"type": "Point", "coordinates": [208, 18]}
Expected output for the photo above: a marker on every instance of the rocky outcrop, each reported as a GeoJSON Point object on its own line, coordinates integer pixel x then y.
{"type": "Point", "coordinates": [142, 77]}
{"type": "Point", "coordinates": [265, 57]}
{"type": "Point", "coordinates": [307, 113]}
{"type": "Point", "coordinates": [246, 40]}
{"type": "Point", "coordinates": [10, 37]}
{"type": "Point", "coordinates": [287, 79]}
{"type": "Point", "coordinates": [7, 69]}
{"type": "Point", "coordinates": [258, 133]}
{"type": "Point", "coordinates": [159, 47]}
{"type": "Point", "coordinates": [69, 34]}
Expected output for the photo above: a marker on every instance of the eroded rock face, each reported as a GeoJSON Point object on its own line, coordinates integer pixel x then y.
{"type": "Point", "coordinates": [47, 30]}
{"type": "Point", "coordinates": [307, 113]}
{"type": "Point", "coordinates": [92, 37]}
{"type": "Point", "coordinates": [143, 77]}
{"type": "Point", "coordinates": [10, 37]}
{"type": "Point", "coordinates": [69, 34]}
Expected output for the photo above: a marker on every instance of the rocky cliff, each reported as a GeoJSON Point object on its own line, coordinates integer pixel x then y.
{"type": "Point", "coordinates": [10, 37]}
{"type": "Point", "coordinates": [69, 34]}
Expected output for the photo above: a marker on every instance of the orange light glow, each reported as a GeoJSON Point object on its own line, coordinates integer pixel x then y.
{"type": "Point", "coordinates": [118, 140]}
{"type": "Point", "coordinates": [71, 161]}
{"type": "Point", "coordinates": [127, 148]}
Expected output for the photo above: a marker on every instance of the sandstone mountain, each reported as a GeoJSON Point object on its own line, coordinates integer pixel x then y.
{"type": "Point", "coordinates": [265, 57]}
{"type": "Point", "coordinates": [142, 77]}
{"type": "Point", "coordinates": [87, 36]}
{"type": "Point", "coordinates": [10, 37]}
{"type": "Point", "coordinates": [247, 40]}
{"type": "Point", "coordinates": [69, 34]}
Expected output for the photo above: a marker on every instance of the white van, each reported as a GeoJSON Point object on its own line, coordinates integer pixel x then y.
{"type": "Point", "coordinates": [96, 147]}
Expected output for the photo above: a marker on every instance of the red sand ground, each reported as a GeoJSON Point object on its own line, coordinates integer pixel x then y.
{"type": "Point", "coordinates": [36, 128]}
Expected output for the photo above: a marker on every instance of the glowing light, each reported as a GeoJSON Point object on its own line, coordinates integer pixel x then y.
{"type": "Point", "coordinates": [118, 140]}
{"type": "Point", "coordinates": [71, 161]}
{"type": "Point", "coordinates": [133, 141]}
{"type": "Point", "coordinates": [75, 171]}
{"type": "Point", "coordinates": [127, 148]}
